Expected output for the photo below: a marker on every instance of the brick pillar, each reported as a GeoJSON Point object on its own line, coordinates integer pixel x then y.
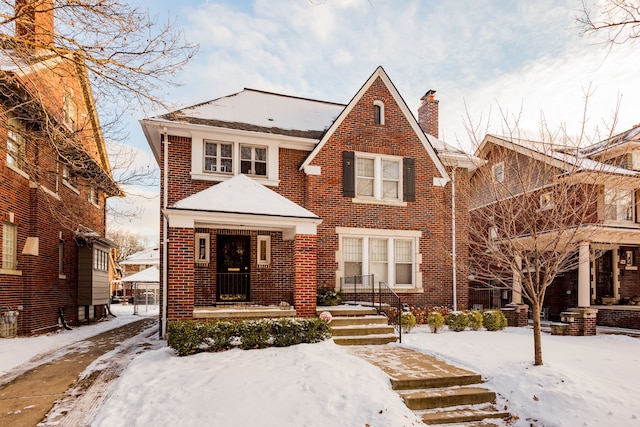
{"type": "Point", "coordinates": [180, 271]}
{"type": "Point", "coordinates": [580, 321]}
{"type": "Point", "coordinates": [517, 314]}
{"type": "Point", "coordinates": [305, 290]}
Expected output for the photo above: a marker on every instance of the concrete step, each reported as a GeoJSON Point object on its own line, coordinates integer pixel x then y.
{"type": "Point", "coordinates": [359, 320]}
{"type": "Point", "coordinates": [429, 399]}
{"type": "Point", "coordinates": [347, 310]}
{"type": "Point", "coordinates": [436, 382]}
{"type": "Point", "coordinates": [359, 330]}
{"type": "Point", "coordinates": [366, 339]}
{"type": "Point", "coordinates": [463, 415]}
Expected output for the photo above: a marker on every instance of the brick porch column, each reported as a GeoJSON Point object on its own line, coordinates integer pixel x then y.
{"type": "Point", "coordinates": [584, 276]}
{"type": "Point", "coordinates": [516, 294]}
{"type": "Point", "coordinates": [180, 272]}
{"type": "Point", "coordinates": [305, 290]}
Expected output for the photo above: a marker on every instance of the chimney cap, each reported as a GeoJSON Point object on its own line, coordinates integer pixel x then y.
{"type": "Point", "coordinates": [429, 95]}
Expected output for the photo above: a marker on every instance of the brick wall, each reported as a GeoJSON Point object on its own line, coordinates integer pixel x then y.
{"type": "Point", "coordinates": [181, 273]}
{"type": "Point", "coordinates": [620, 318]}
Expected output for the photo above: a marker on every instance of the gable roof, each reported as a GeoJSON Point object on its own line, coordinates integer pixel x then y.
{"type": "Point", "coordinates": [144, 257]}
{"type": "Point", "coordinates": [260, 111]}
{"type": "Point", "coordinates": [242, 195]}
{"type": "Point", "coordinates": [380, 73]}
{"type": "Point", "coordinates": [558, 156]}
{"type": "Point", "coordinates": [616, 143]}
{"type": "Point", "coordinates": [148, 275]}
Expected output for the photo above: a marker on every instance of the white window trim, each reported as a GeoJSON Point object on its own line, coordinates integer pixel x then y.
{"type": "Point", "coordinates": [546, 203]}
{"type": "Point", "coordinates": [197, 158]}
{"type": "Point", "coordinates": [494, 172]}
{"type": "Point", "coordinates": [390, 236]}
{"type": "Point", "coordinates": [66, 182]}
{"type": "Point", "coordinates": [377, 180]}
{"type": "Point", "coordinates": [381, 105]}
{"type": "Point", "coordinates": [197, 238]}
{"type": "Point", "coordinates": [94, 190]}
{"type": "Point", "coordinates": [252, 160]}
{"type": "Point", "coordinates": [267, 257]}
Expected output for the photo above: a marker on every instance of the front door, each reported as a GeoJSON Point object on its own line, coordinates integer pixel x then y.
{"type": "Point", "coordinates": [604, 277]}
{"type": "Point", "coordinates": [233, 268]}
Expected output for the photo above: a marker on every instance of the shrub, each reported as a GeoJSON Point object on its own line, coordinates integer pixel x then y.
{"type": "Point", "coordinates": [435, 320]}
{"type": "Point", "coordinates": [494, 320]}
{"type": "Point", "coordinates": [457, 321]}
{"type": "Point", "coordinates": [189, 337]}
{"type": "Point", "coordinates": [408, 321]}
{"type": "Point", "coordinates": [328, 296]}
{"type": "Point", "coordinates": [475, 320]}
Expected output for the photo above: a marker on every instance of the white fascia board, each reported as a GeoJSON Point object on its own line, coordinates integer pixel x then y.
{"type": "Point", "coordinates": [190, 219]}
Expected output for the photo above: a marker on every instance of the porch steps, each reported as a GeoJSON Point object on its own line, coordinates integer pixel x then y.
{"type": "Point", "coordinates": [441, 398]}
{"type": "Point", "coordinates": [357, 325]}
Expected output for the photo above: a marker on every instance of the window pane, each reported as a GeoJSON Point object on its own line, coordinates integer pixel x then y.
{"type": "Point", "coordinates": [390, 169]}
{"type": "Point", "coordinates": [210, 164]}
{"type": "Point", "coordinates": [625, 205]}
{"type": "Point", "coordinates": [403, 274]}
{"type": "Point", "coordinates": [261, 154]}
{"type": "Point", "coordinates": [226, 150]}
{"type": "Point", "coordinates": [390, 189]}
{"type": "Point", "coordinates": [260, 169]}
{"type": "Point", "coordinates": [352, 249]}
{"type": "Point", "coordinates": [378, 250]}
{"type": "Point", "coordinates": [364, 187]}
{"type": "Point", "coordinates": [225, 165]}
{"type": "Point", "coordinates": [379, 271]}
{"type": "Point", "coordinates": [403, 251]}
{"type": "Point", "coordinates": [364, 167]}
{"type": "Point", "coordinates": [245, 166]}
{"type": "Point", "coordinates": [245, 152]}
{"type": "Point", "coordinates": [211, 149]}
{"type": "Point", "coordinates": [352, 269]}
{"type": "Point", "coordinates": [9, 246]}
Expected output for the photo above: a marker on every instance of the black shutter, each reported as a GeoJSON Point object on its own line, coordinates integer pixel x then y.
{"type": "Point", "coordinates": [409, 179]}
{"type": "Point", "coordinates": [348, 174]}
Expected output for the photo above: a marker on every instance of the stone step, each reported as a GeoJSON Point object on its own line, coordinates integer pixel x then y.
{"type": "Point", "coordinates": [357, 330]}
{"type": "Point", "coordinates": [366, 339]}
{"type": "Point", "coordinates": [347, 310]}
{"type": "Point", "coordinates": [359, 320]}
{"type": "Point", "coordinates": [462, 415]}
{"type": "Point", "coordinates": [436, 382]}
{"type": "Point", "coordinates": [429, 399]}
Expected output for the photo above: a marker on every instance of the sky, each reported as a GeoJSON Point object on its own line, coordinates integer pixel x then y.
{"type": "Point", "coordinates": [487, 60]}
{"type": "Point", "coordinates": [585, 381]}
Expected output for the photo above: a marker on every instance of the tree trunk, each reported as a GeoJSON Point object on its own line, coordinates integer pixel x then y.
{"type": "Point", "coordinates": [537, 338]}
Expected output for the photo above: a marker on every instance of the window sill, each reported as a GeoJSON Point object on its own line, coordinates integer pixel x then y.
{"type": "Point", "coordinates": [212, 176]}
{"type": "Point", "coordinates": [18, 170]}
{"type": "Point", "coordinates": [379, 202]}
{"type": "Point", "coordinates": [62, 277]}
{"type": "Point", "coordinates": [10, 272]}
{"type": "Point", "coordinates": [202, 264]}
{"type": "Point", "coordinates": [407, 290]}
{"type": "Point", "coordinates": [70, 186]}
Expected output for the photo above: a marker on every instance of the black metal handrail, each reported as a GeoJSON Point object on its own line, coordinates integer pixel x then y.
{"type": "Point", "coordinates": [362, 290]}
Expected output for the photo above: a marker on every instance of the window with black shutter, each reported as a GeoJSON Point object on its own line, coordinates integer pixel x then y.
{"type": "Point", "coordinates": [409, 178]}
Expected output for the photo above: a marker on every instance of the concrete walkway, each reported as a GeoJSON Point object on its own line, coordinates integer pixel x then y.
{"type": "Point", "coordinates": [28, 398]}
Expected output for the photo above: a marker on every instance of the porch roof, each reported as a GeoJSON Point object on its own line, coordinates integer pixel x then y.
{"type": "Point", "coordinates": [244, 203]}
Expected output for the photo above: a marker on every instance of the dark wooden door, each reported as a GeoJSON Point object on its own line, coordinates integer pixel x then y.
{"type": "Point", "coordinates": [604, 276]}
{"type": "Point", "coordinates": [233, 268]}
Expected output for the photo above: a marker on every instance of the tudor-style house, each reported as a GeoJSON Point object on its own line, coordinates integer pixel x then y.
{"type": "Point", "coordinates": [268, 197]}
{"type": "Point", "coordinates": [594, 193]}
{"type": "Point", "coordinates": [55, 181]}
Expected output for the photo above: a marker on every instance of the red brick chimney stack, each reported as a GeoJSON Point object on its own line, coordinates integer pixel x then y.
{"type": "Point", "coordinates": [428, 113]}
{"type": "Point", "coordinates": [34, 23]}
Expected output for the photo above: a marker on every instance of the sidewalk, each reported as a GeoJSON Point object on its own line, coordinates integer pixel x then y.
{"type": "Point", "coordinates": [27, 399]}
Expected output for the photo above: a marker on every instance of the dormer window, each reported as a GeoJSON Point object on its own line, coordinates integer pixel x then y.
{"type": "Point", "coordinates": [378, 112]}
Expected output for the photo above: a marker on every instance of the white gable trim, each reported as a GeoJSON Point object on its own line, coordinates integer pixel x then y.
{"type": "Point", "coordinates": [379, 72]}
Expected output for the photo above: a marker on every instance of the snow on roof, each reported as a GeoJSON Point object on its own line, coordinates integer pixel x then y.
{"type": "Point", "coordinates": [262, 111]}
{"type": "Point", "coordinates": [243, 195]}
{"type": "Point", "coordinates": [145, 257]}
{"type": "Point", "coordinates": [632, 134]}
{"type": "Point", "coordinates": [149, 275]}
{"type": "Point", "coordinates": [563, 154]}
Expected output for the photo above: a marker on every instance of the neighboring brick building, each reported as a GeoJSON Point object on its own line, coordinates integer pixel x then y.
{"type": "Point", "coordinates": [55, 181]}
{"type": "Point", "coordinates": [269, 197]}
{"type": "Point", "coordinates": [591, 197]}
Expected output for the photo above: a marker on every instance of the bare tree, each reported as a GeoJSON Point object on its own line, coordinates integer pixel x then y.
{"type": "Point", "coordinates": [128, 243]}
{"type": "Point", "coordinates": [532, 203]}
{"type": "Point", "coordinates": [619, 20]}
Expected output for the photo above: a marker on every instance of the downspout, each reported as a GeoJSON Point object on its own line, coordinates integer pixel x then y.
{"type": "Point", "coordinates": [165, 239]}
{"type": "Point", "coordinates": [453, 237]}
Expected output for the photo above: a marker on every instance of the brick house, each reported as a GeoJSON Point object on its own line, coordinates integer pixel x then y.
{"type": "Point", "coordinates": [604, 276]}
{"type": "Point", "coordinates": [267, 198]}
{"type": "Point", "coordinates": [55, 181]}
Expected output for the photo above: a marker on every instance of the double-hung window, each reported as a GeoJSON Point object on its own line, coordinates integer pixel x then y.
{"type": "Point", "coordinates": [378, 177]}
{"type": "Point", "coordinates": [16, 149]}
{"type": "Point", "coordinates": [253, 160]}
{"type": "Point", "coordinates": [218, 157]}
{"type": "Point", "coordinates": [619, 205]}
{"type": "Point", "coordinates": [9, 245]}
{"type": "Point", "coordinates": [69, 177]}
{"type": "Point", "coordinates": [389, 259]}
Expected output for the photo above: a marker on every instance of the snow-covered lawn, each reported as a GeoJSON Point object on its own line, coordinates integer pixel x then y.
{"type": "Point", "coordinates": [586, 381]}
